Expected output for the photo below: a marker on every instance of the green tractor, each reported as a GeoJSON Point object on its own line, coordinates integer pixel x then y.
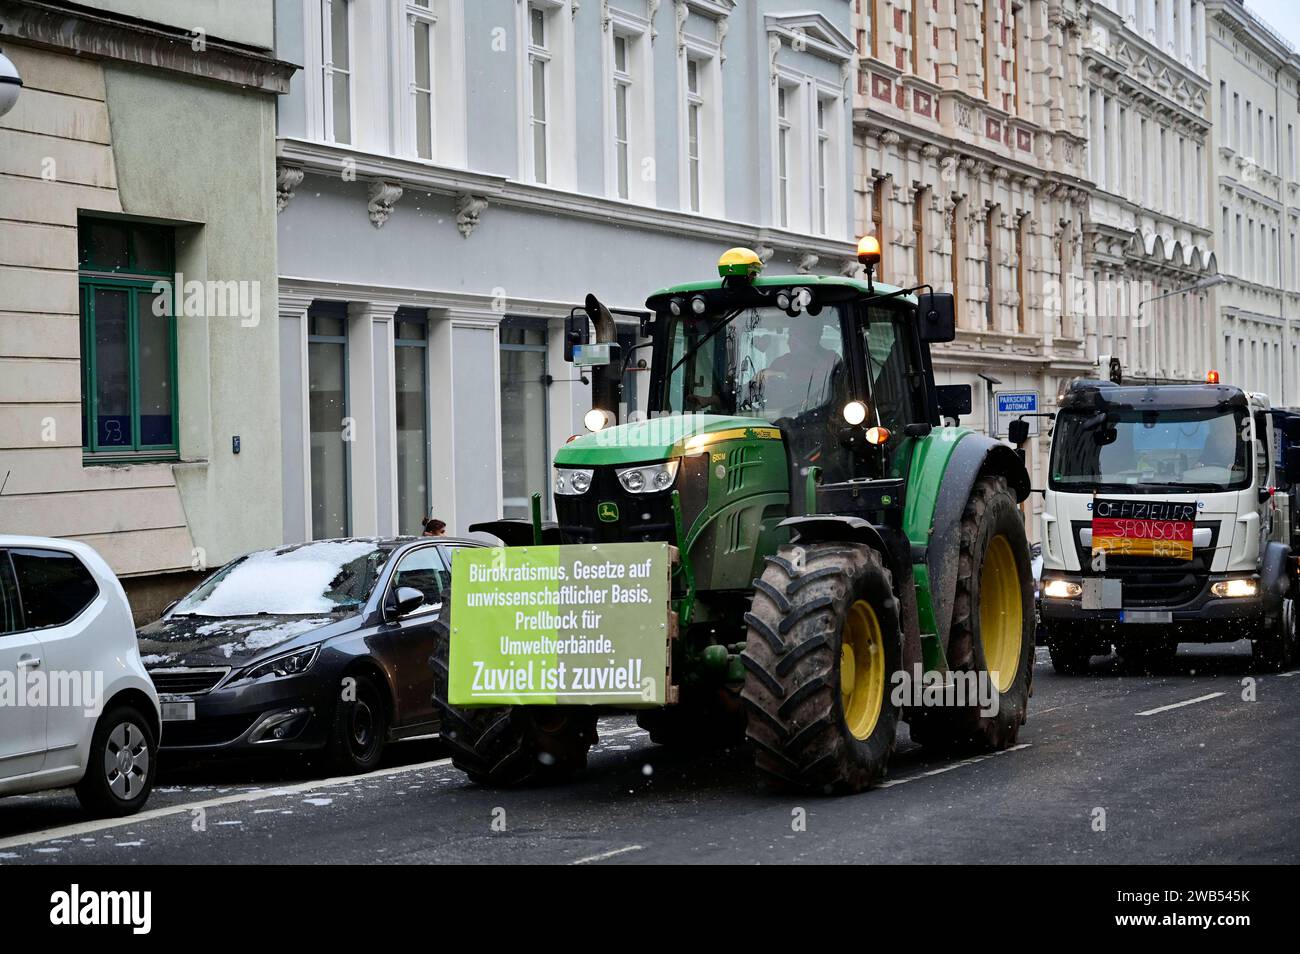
{"type": "Point", "coordinates": [843, 559]}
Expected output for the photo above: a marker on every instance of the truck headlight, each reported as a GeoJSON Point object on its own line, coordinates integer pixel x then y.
{"type": "Point", "coordinates": [572, 481]}
{"type": "Point", "coordinates": [648, 479]}
{"type": "Point", "coordinates": [1242, 586]}
{"type": "Point", "coordinates": [1062, 590]}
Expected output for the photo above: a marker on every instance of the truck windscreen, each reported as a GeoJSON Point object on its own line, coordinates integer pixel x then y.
{"type": "Point", "coordinates": [1203, 449]}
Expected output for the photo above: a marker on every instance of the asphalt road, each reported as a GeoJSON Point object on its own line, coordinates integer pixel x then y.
{"type": "Point", "coordinates": [1185, 769]}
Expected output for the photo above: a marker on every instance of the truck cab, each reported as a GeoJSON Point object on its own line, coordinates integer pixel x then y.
{"type": "Point", "coordinates": [1163, 523]}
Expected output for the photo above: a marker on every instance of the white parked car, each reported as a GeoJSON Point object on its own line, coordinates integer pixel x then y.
{"type": "Point", "coordinates": [76, 704]}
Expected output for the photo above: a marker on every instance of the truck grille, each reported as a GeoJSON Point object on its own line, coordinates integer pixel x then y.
{"type": "Point", "coordinates": [1155, 581]}
{"type": "Point", "coordinates": [186, 680]}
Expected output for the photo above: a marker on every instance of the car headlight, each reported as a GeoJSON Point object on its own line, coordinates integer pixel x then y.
{"type": "Point", "coordinates": [570, 481]}
{"type": "Point", "coordinates": [649, 479]}
{"type": "Point", "coordinates": [1062, 590]}
{"type": "Point", "coordinates": [1242, 586]}
{"type": "Point", "coordinates": [290, 664]}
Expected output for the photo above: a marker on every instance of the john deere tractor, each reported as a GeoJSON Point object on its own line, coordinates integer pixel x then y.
{"type": "Point", "coordinates": [847, 554]}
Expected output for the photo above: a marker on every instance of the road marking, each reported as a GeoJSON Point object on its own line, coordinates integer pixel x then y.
{"type": "Point", "coordinates": [1179, 705]}
{"type": "Point", "coordinates": [605, 854]}
{"type": "Point", "coordinates": [890, 783]}
{"type": "Point", "coordinates": [102, 824]}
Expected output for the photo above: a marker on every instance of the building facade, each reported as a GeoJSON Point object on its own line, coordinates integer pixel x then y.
{"type": "Point", "coordinates": [137, 261]}
{"type": "Point", "coordinates": [455, 176]}
{"type": "Point", "coordinates": [969, 139]}
{"type": "Point", "coordinates": [1148, 251]}
{"type": "Point", "coordinates": [1254, 195]}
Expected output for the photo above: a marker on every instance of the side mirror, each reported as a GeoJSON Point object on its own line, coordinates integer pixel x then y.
{"type": "Point", "coordinates": [577, 331]}
{"type": "Point", "coordinates": [936, 317]}
{"type": "Point", "coordinates": [1292, 468]}
{"type": "Point", "coordinates": [1018, 431]}
{"type": "Point", "coordinates": [405, 601]}
{"type": "Point", "coordinates": [954, 400]}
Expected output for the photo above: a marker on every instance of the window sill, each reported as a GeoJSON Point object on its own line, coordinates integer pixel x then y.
{"type": "Point", "coordinates": [110, 459]}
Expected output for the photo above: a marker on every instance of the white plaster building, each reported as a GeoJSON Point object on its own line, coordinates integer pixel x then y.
{"type": "Point", "coordinates": [455, 175]}
{"type": "Point", "coordinates": [1255, 200]}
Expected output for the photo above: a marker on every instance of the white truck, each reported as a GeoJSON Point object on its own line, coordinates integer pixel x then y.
{"type": "Point", "coordinates": [1169, 516]}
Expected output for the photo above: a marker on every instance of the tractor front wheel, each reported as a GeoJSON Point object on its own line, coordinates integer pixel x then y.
{"type": "Point", "coordinates": [823, 645]}
{"type": "Point", "coordinates": [992, 635]}
{"type": "Point", "coordinates": [500, 746]}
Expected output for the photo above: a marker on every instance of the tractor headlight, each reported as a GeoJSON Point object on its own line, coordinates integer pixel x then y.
{"type": "Point", "coordinates": [1062, 590]}
{"type": "Point", "coordinates": [855, 412]}
{"type": "Point", "coordinates": [572, 481]}
{"type": "Point", "coordinates": [649, 479]}
{"type": "Point", "coordinates": [1238, 588]}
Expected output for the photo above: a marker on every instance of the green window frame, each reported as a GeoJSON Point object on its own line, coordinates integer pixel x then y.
{"type": "Point", "coordinates": [129, 258]}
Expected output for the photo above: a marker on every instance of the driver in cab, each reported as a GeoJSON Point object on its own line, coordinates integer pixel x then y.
{"type": "Point", "coordinates": [801, 379]}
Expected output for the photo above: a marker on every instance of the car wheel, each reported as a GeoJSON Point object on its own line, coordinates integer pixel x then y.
{"type": "Point", "coordinates": [360, 726]}
{"type": "Point", "coordinates": [122, 764]}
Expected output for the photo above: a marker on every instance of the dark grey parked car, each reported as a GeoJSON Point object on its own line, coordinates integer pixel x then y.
{"type": "Point", "coordinates": [320, 646]}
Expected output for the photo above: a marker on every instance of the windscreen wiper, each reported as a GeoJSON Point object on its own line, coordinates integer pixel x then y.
{"type": "Point", "coordinates": [705, 340]}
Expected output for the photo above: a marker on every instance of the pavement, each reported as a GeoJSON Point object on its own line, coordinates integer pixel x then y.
{"type": "Point", "coordinates": [1112, 767]}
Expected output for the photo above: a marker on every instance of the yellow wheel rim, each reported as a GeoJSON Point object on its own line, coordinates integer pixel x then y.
{"type": "Point", "coordinates": [862, 670]}
{"type": "Point", "coordinates": [1001, 613]}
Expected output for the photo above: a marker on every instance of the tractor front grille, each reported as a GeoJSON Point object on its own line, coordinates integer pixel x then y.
{"type": "Point", "coordinates": [641, 518]}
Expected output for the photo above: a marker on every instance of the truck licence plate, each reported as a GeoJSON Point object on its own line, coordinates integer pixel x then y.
{"type": "Point", "coordinates": [1146, 616]}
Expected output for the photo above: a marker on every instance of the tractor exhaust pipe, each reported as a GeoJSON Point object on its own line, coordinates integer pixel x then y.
{"type": "Point", "coordinates": [606, 381]}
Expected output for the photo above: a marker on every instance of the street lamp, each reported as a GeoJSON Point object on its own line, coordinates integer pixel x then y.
{"type": "Point", "coordinates": [10, 84]}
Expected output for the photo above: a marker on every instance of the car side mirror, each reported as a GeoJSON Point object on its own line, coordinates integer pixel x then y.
{"type": "Point", "coordinates": [936, 317]}
{"type": "Point", "coordinates": [1018, 431]}
{"type": "Point", "coordinates": [1292, 468]}
{"type": "Point", "coordinates": [405, 601]}
{"type": "Point", "coordinates": [954, 400]}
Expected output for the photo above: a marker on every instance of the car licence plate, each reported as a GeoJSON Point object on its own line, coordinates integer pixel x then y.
{"type": "Point", "coordinates": [178, 711]}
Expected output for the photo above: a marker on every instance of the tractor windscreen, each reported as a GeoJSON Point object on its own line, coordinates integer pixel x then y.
{"type": "Point", "coordinates": [764, 363]}
{"type": "Point", "coordinates": [1151, 450]}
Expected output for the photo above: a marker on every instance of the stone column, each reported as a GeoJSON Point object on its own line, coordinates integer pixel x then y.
{"type": "Point", "coordinates": [370, 406]}
{"type": "Point", "coordinates": [295, 422]}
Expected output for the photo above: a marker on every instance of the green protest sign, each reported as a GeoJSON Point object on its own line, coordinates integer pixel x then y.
{"type": "Point", "coordinates": [560, 625]}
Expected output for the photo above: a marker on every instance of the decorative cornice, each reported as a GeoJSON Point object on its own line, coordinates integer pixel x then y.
{"type": "Point", "coordinates": [73, 28]}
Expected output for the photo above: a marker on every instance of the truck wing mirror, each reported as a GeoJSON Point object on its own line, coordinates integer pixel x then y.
{"type": "Point", "coordinates": [936, 317]}
{"type": "Point", "coordinates": [1018, 431]}
{"type": "Point", "coordinates": [1292, 469]}
{"type": "Point", "coordinates": [954, 400]}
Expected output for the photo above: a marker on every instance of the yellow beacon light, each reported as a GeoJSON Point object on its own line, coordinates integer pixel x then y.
{"type": "Point", "coordinates": [739, 263]}
{"type": "Point", "coordinates": [869, 251]}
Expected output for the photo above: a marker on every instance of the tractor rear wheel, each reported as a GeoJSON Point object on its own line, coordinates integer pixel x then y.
{"type": "Point", "coordinates": [501, 746]}
{"type": "Point", "coordinates": [823, 645]}
{"type": "Point", "coordinates": [992, 632]}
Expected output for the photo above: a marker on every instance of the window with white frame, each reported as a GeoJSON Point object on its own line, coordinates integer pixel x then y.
{"type": "Point", "coordinates": [629, 111]}
{"type": "Point", "coordinates": [539, 67]}
{"type": "Point", "coordinates": [694, 133]}
{"type": "Point", "coordinates": [808, 160]}
{"type": "Point", "coordinates": [783, 137]}
{"type": "Point", "coordinates": [336, 70]}
{"type": "Point", "coordinates": [420, 75]}
{"type": "Point", "coordinates": [824, 166]}
{"type": "Point", "coordinates": [622, 117]}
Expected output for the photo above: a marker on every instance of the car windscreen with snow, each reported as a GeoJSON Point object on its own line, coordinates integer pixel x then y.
{"type": "Point", "coordinates": [328, 577]}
